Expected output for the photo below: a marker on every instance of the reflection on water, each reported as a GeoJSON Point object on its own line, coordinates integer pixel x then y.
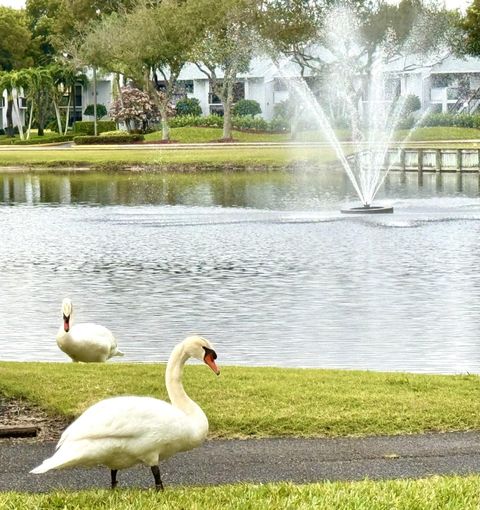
{"type": "Point", "coordinates": [271, 190]}
{"type": "Point", "coordinates": [263, 264]}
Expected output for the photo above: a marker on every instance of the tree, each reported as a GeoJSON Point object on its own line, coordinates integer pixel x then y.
{"type": "Point", "coordinates": [38, 85]}
{"type": "Point", "coordinates": [135, 109]}
{"type": "Point", "coordinates": [227, 45]}
{"type": "Point", "coordinates": [100, 110]}
{"type": "Point", "coordinates": [16, 41]}
{"type": "Point", "coordinates": [13, 82]}
{"type": "Point", "coordinates": [471, 28]}
{"type": "Point", "coordinates": [350, 38]}
{"type": "Point", "coordinates": [149, 45]}
{"type": "Point", "coordinates": [42, 18]}
{"type": "Point", "coordinates": [65, 76]}
{"type": "Point", "coordinates": [15, 53]}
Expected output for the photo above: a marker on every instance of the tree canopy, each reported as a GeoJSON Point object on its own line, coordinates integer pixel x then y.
{"type": "Point", "coordinates": [16, 46]}
{"type": "Point", "coordinates": [471, 27]}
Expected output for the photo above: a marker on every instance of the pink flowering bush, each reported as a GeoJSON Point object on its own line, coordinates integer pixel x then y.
{"type": "Point", "coordinates": [135, 108]}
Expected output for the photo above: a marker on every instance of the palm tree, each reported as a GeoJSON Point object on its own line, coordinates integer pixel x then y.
{"type": "Point", "coordinates": [39, 91]}
{"type": "Point", "coordinates": [13, 82]}
{"type": "Point", "coordinates": [65, 77]}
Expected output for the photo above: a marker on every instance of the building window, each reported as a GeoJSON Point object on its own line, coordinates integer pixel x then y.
{"type": "Point", "coordinates": [238, 93]}
{"type": "Point", "coordinates": [78, 96]}
{"type": "Point", "coordinates": [392, 88]}
{"type": "Point", "coordinates": [185, 86]}
{"type": "Point", "coordinates": [2, 102]}
{"type": "Point", "coordinates": [279, 85]}
{"type": "Point", "coordinates": [23, 102]}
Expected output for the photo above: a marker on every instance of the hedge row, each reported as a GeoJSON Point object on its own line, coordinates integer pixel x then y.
{"type": "Point", "coordinates": [464, 120]}
{"type": "Point", "coordinates": [87, 127]}
{"type": "Point", "coordinates": [37, 141]}
{"type": "Point", "coordinates": [246, 122]}
{"type": "Point", "coordinates": [111, 139]}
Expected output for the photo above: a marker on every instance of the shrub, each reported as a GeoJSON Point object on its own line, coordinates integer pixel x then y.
{"type": "Point", "coordinates": [112, 139]}
{"type": "Point", "coordinates": [250, 122]}
{"type": "Point", "coordinates": [240, 122]}
{"type": "Point", "coordinates": [466, 120]}
{"type": "Point", "coordinates": [193, 120]}
{"type": "Point", "coordinates": [50, 139]}
{"type": "Point", "coordinates": [101, 110]}
{"type": "Point", "coordinates": [412, 104]}
{"type": "Point", "coordinates": [246, 107]}
{"type": "Point", "coordinates": [406, 123]}
{"type": "Point", "coordinates": [137, 109]}
{"type": "Point", "coordinates": [86, 127]}
{"type": "Point", "coordinates": [112, 133]}
{"type": "Point", "coordinates": [279, 124]}
{"type": "Point", "coordinates": [188, 106]}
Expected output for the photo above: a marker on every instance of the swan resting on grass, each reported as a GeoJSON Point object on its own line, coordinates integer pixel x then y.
{"type": "Point", "coordinates": [120, 432]}
{"type": "Point", "coordinates": [85, 342]}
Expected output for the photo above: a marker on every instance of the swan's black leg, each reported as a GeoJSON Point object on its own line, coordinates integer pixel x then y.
{"type": "Point", "coordinates": [113, 474]}
{"type": "Point", "coordinates": [158, 480]}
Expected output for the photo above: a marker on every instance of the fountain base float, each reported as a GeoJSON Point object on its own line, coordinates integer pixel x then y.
{"type": "Point", "coordinates": [368, 209]}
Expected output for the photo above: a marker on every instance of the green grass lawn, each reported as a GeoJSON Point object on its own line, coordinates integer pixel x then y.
{"type": "Point", "coordinates": [436, 493]}
{"type": "Point", "coordinates": [202, 135]}
{"type": "Point", "coordinates": [34, 139]}
{"type": "Point", "coordinates": [440, 133]}
{"type": "Point", "coordinates": [260, 402]}
{"type": "Point", "coordinates": [101, 157]}
{"type": "Point", "coordinates": [243, 157]}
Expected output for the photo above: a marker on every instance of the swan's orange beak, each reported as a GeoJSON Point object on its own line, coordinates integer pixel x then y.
{"type": "Point", "coordinates": [66, 323]}
{"type": "Point", "coordinates": [209, 359]}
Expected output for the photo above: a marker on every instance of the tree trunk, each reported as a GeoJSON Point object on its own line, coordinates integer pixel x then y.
{"type": "Point", "coordinates": [67, 114]}
{"type": "Point", "coordinates": [16, 110]}
{"type": "Point", "coordinates": [41, 121]}
{"type": "Point", "coordinates": [59, 118]}
{"type": "Point", "coordinates": [165, 126]}
{"type": "Point", "coordinates": [30, 118]}
{"type": "Point", "coordinates": [227, 112]}
{"type": "Point", "coordinates": [95, 127]}
{"type": "Point", "coordinates": [10, 131]}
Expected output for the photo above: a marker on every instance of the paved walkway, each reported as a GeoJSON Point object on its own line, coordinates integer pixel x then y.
{"type": "Point", "coordinates": [215, 145]}
{"type": "Point", "coordinates": [262, 460]}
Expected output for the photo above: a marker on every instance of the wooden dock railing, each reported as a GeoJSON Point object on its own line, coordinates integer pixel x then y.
{"type": "Point", "coordinates": [433, 160]}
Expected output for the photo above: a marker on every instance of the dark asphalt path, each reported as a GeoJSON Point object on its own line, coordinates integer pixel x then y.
{"type": "Point", "coordinates": [262, 460]}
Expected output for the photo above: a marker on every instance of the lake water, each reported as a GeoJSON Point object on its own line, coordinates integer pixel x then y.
{"type": "Point", "coordinates": [264, 265]}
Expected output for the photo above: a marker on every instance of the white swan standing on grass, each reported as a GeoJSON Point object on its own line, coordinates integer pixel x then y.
{"type": "Point", "coordinates": [85, 342]}
{"type": "Point", "coordinates": [120, 432]}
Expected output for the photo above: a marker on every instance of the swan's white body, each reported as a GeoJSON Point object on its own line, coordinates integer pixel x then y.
{"type": "Point", "coordinates": [120, 432]}
{"type": "Point", "coordinates": [85, 342]}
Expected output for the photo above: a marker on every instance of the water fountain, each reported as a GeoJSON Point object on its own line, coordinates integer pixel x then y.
{"type": "Point", "coordinates": [372, 119]}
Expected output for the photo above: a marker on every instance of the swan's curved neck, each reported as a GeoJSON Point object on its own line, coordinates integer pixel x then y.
{"type": "Point", "coordinates": [176, 393]}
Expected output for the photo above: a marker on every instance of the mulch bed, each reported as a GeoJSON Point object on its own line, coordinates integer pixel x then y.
{"type": "Point", "coordinates": [18, 413]}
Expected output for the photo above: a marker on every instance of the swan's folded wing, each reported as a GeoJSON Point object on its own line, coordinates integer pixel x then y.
{"type": "Point", "coordinates": [122, 417]}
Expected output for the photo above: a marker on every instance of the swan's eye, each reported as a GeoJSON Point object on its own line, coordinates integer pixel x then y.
{"type": "Point", "coordinates": [210, 351]}
{"type": "Point", "coordinates": [66, 317]}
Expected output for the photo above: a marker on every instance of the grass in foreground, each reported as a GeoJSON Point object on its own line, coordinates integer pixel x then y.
{"type": "Point", "coordinates": [452, 493]}
{"type": "Point", "coordinates": [260, 402]}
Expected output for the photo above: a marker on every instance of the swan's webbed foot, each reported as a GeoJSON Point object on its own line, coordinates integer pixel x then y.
{"type": "Point", "coordinates": [113, 474]}
{"type": "Point", "coordinates": [158, 480]}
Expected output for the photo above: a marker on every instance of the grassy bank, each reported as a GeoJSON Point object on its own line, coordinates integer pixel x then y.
{"type": "Point", "coordinates": [452, 493]}
{"type": "Point", "coordinates": [259, 402]}
{"type": "Point", "coordinates": [241, 157]}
